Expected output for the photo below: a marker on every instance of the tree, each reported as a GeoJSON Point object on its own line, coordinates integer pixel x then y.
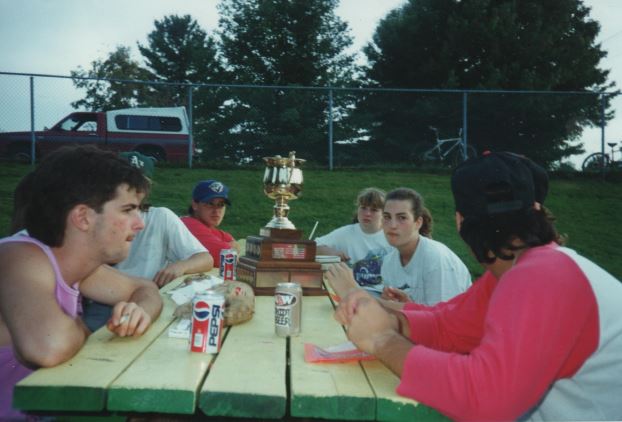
{"type": "Point", "coordinates": [103, 94]}
{"type": "Point", "coordinates": [285, 43]}
{"type": "Point", "coordinates": [487, 44]}
{"type": "Point", "coordinates": [178, 50]}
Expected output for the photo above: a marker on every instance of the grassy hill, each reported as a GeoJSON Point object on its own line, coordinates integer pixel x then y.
{"type": "Point", "coordinates": [588, 210]}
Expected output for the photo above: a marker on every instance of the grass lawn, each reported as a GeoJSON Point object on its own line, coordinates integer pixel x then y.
{"type": "Point", "coordinates": [588, 210]}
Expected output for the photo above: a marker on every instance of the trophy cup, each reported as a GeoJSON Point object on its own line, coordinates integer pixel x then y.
{"type": "Point", "coordinates": [279, 254]}
{"type": "Point", "coordinates": [282, 181]}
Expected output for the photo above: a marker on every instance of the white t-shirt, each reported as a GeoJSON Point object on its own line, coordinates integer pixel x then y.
{"type": "Point", "coordinates": [357, 244]}
{"type": "Point", "coordinates": [165, 239]}
{"type": "Point", "coordinates": [366, 251]}
{"type": "Point", "coordinates": [434, 273]}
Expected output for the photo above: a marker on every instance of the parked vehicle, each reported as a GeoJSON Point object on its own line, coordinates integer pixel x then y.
{"type": "Point", "coordinates": [161, 133]}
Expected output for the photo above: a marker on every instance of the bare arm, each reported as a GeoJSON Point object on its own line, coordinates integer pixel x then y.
{"type": "Point", "coordinates": [136, 301]}
{"type": "Point", "coordinates": [199, 262]}
{"type": "Point", "coordinates": [40, 332]}
{"type": "Point", "coordinates": [340, 278]}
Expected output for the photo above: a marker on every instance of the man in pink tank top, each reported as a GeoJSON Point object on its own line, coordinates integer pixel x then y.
{"type": "Point", "coordinates": [82, 213]}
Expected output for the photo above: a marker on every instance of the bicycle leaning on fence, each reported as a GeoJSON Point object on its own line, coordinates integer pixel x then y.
{"type": "Point", "coordinates": [599, 161]}
{"type": "Point", "coordinates": [448, 151]}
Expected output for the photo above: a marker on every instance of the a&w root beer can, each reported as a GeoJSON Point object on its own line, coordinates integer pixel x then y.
{"type": "Point", "coordinates": [287, 309]}
{"type": "Point", "coordinates": [207, 322]}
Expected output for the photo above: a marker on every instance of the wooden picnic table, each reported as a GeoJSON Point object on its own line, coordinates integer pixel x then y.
{"type": "Point", "coordinates": [256, 375]}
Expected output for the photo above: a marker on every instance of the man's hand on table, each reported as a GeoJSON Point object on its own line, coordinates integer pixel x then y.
{"type": "Point", "coordinates": [128, 319]}
{"type": "Point", "coordinates": [366, 320]}
{"type": "Point", "coordinates": [373, 329]}
{"type": "Point", "coordinates": [169, 273]}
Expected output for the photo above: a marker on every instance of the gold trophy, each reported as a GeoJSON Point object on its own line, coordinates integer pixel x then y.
{"type": "Point", "coordinates": [282, 181]}
{"type": "Point", "coordinates": [279, 254]}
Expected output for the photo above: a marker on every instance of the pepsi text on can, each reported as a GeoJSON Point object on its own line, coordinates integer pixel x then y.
{"type": "Point", "coordinates": [207, 322]}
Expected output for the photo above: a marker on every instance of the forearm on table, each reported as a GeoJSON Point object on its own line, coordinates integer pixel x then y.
{"type": "Point", "coordinates": [148, 298]}
{"type": "Point", "coordinates": [199, 262]}
{"type": "Point", "coordinates": [391, 349]}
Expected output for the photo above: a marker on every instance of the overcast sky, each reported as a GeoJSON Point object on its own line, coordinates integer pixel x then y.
{"type": "Point", "coordinates": [54, 37]}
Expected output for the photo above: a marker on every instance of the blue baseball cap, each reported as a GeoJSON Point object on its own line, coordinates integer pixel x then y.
{"type": "Point", "coordinates": [206, 190]}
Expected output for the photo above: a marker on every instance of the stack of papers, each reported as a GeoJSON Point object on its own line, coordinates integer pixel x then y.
{"type": "Point", "coordinates": [183, 295]}
{"type": "Point", "coordinates": [327, 260]}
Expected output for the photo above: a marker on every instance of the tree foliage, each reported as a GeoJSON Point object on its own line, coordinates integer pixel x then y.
{"type": "Point", "coordinates": [102, 94]}
{"type": "Point", "coordinates": [285, 43]}
{"type": "Point", "coordinates": [488, 45]}
{"type": "Point", "coordinates": [178, 50]}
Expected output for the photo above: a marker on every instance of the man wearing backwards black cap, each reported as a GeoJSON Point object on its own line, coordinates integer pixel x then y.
{"type": "Point", "coordinates": [539, 336]}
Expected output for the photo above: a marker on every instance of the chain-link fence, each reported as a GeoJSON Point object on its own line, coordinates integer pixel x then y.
{"type": "Point", "coordinates": [329, 126]}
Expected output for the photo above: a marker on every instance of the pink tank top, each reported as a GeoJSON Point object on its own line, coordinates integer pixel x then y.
{"type": "Point", "coordinates": [11, 371]}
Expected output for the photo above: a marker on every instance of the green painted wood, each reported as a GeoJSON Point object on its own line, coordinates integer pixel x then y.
{"type": "Point", "coordinates": [330, 391]}
{"type": "Point", "coordinates": [248, 376]}
{"type": "Point", "coordinates": [153, 384]}
{"type": "Point", "coordinates": [259, 406]}
{"type": "Point", "coordinates": [389, 410]}
{"type": "Point", "coordinates": [59, 398]}
{"type": "Point", "coordinates": [81, 383]}
{"type": "Point", "coordinates": [390, 406]}
{"type": "Point", "coordinates": [90, 418]}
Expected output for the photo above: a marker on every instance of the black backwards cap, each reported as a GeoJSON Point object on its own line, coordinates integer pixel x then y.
{"type": "Point", "coordinates": [498, 183]}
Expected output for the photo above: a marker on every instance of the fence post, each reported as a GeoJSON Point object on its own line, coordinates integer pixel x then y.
{"type": "Point", "coordinates": [32, 121]}
{"type": "Point", "coordinates": [190, 131]}
{"type": "Point", "coordinates": [464, 125]}
{"type": "Point", "coordinates": [330, 128]}
{"type": "Point", "coordinates": [602, 133]}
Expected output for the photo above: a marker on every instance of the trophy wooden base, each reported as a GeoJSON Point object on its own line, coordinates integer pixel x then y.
{"type": "Point", "coordinates": [265, 275]}
{"type": "Point", "coordinates": [280, 256]}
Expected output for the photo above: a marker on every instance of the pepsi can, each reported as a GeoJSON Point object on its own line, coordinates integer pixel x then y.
{"type": "Point", "coordinates": [287, 309]}
{"type": "Point", "coordinates": [228, 264]}
{"type": "Point", "coordinates": [207, 322]}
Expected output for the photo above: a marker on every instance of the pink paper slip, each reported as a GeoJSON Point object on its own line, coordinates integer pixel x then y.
{"type": "Point", "coordinates": [345, 352]}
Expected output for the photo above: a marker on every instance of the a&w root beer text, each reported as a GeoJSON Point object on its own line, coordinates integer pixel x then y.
{"type": "Point", "coordinates": [287, 309]}
{"type": "Point", "coordinates": [207, 322]}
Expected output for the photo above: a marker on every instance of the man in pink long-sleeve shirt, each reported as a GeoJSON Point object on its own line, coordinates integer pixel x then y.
{"type": "Point", "coordinates": [538, 337]}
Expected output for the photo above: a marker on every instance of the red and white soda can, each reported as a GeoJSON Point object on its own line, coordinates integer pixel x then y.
{"type": "Point", "coordinates": [228, 264]}
{"type": "Point", "coordinates": [207, 322]}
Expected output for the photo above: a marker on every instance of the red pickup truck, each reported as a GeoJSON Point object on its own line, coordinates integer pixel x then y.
{"type": "Point", "coordinates": [162, 133]}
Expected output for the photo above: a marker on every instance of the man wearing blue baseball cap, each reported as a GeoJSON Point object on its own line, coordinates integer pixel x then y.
{"type": "Point", "coordinates": [207, 210]}
{"type": "Point", "coordinates": [537, 337]}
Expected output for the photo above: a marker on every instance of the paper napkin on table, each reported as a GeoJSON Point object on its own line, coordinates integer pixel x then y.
{"type": "Point", "coordinates": [344, 352]}
{"type": "Point", "coordinates": [182, 295]}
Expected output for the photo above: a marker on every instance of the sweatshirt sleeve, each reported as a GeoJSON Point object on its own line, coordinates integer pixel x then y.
{"type": "Point", "coordinates": [456, 325]}
{"type": "Point", "coordinates": [539, 326]}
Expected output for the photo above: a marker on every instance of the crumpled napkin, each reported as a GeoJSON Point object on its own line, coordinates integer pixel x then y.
{"type": "Point", "coordinates": [194, 284]}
